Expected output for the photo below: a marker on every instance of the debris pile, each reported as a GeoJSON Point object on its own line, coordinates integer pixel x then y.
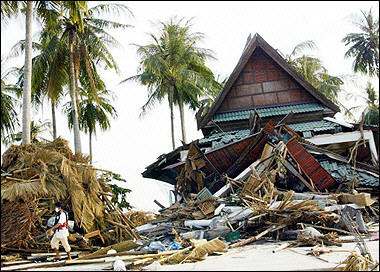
{"type": "Point", "coordinates": [34, 177]}
{"type": "Point", "coordinates": [268, 187]}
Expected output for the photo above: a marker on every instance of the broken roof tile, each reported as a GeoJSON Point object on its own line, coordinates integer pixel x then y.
{"type": "Point", "coordinates": [344, 172]}
{"type": "Point", "coordinates": [268, 112]}
{"type": "Point", "coordinates": [314, 126]}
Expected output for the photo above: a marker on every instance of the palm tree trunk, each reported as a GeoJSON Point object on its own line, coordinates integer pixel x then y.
{"type": "Point", "coordinates": [171, 114]}
{"type": "Point", "coordinates": [182, 116]}
{"type": "Point", "coordinates": [90, 143]}
{"type": "Point", "coordinates": [27, 91]}
{"type": "Point", "coordinates": [54, 120]}
{"type": "Point", "coordinates": [77, 143]}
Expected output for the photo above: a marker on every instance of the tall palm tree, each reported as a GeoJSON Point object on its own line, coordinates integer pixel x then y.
{"type": "Point", "coordinates": [49, 75]}
{"type": "Point", "coordinates": [87, 41]}
{"type": "Point", "coordinates": [173, 66]}
{"type": "Point", "coordinates": [27, 92]}
{"type": "Point", "coordinates": [9, 9]}
{"type": "Point", "coordinates": [73, 38]}
{"type": "Point", "coordinates": [94, 109]}
{"type": "Point", "coordinates": [364, 46]}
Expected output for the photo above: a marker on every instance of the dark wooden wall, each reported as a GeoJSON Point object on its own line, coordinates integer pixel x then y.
{"type": "Point", "coordinates": [263, 83]}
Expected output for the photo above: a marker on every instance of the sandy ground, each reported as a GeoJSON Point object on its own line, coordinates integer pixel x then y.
{"type": "Point", "coordinates": [253, 258]}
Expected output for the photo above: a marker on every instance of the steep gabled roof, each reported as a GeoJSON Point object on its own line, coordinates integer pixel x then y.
{"type": "Point", "coordinates": [258, 42]}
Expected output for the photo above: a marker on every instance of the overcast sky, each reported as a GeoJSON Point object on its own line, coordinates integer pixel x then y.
{"type": "Point", "coordinates": [133, 143]}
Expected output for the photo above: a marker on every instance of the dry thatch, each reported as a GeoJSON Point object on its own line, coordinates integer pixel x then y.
{"type": "Point", "coordinates": [139, 218]}
{"type": "Point", "coordinates": [43, 173]}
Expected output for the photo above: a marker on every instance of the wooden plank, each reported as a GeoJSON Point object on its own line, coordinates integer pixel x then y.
{"type": "Point", "coordinates": [15, 263]}
{"type": "Point", "coordinates": [125, 253]}
{"type": "Point", "coordinates": [252, 239]}
{"type": "Point", "coordinates": [298, 175]}
{"type": "Point", "coordinates": [32, 266]}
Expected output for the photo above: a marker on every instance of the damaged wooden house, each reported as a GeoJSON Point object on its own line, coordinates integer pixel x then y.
{"type": "Point", "coordinates": [266, 104]}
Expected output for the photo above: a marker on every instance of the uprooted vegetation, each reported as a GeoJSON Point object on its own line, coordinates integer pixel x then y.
{"type": "Point", "coordinates": [35, 176]}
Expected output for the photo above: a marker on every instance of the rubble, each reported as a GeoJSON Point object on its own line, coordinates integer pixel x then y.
{"type": "Point", "coordinates": [274, 190]}
{"type": "Point", "coordinates": [34, 177]}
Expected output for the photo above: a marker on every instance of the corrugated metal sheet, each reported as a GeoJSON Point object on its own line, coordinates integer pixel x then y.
{"type": "Point", "coordinates": [268, 112]}
{"type": "Point", "coordinates": [319, 176]}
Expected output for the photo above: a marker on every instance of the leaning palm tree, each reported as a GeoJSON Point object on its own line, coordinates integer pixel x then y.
{"type": "Point", "coordinates": [173, 66]}
{"type": "Point", "coordinates": [364, 46]}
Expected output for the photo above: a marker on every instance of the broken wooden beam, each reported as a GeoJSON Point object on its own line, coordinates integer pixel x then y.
{"type": "Point", "coordinates": [252, 239]}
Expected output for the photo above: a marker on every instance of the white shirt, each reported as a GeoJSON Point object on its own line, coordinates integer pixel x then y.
{"type": "Point", "coordinates": [64, 232]}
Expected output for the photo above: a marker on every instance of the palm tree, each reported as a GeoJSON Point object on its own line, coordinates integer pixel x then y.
{"type": "Point", "coordinates": [211, 94]}
{"type": "Point", "coordinates": [73, 38]}
{"type": "Point", "coordinates": [370, 109]}
{"type": "Point", "coordinates": [27, 92]}
{"type": "Point", "coordinates": [93, 109]}
{"type": "Point", "coordinates": [314, 72]}
{"type": "Point", "coordinates": [35, 133]}
{"type": "Point", "coordinates": [372, 114]}
{"type": "Point", "coordinates": [9, 120]}
{"type": "Point", "coordinates": [173, 66]}
{"type": "Point", "coordinates": [364, 46]}
{"type": "Point", "coordinates": [87, 43]}
{"type": "Point", "coordinates": [49, 75]}
{"type": "Point", "coordinates": [9, 9]}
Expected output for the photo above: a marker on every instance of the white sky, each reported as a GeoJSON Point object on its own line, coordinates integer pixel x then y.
{"type": "Point", "coordinates": [133, 143]}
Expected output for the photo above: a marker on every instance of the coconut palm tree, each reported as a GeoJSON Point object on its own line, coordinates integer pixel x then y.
{"type": "Point", "coordinates": [36, 129]}
{"type": "Point", "coordinates": [94, 109]}
{"type": "Point", "coordinates": [9, 9]}
{"type": "Point", "coordinates": [72, 44]}
{"type": "Point", "coordinates": [372, 114]}
{"type": "Point", "coordinates": [173, 66]}
{"type": "Point", "coordinates": [312, 69]}
{"type": "Point", "coordinates": [49, 75]}
{"type": "Point", "coordinates": [364, 46]}
{"type": "Point", "coordinates": [9, 120]}
{"type": "Point", "coordinates": [87, 41]}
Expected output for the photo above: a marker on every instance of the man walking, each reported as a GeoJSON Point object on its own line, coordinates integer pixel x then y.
{"type": "Point", "coordinates": [60, 232]}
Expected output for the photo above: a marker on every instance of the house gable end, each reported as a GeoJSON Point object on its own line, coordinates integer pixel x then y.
{"type": "Point", "coordinates": [263, 83]}
{"type": "Point", "coordinates": [274, 82]}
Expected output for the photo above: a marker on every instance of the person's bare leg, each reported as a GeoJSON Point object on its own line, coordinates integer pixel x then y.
{"type": "Point", "coordinates": [57, 256]}
{"type": "Point", "coordinates": [68, 255]}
